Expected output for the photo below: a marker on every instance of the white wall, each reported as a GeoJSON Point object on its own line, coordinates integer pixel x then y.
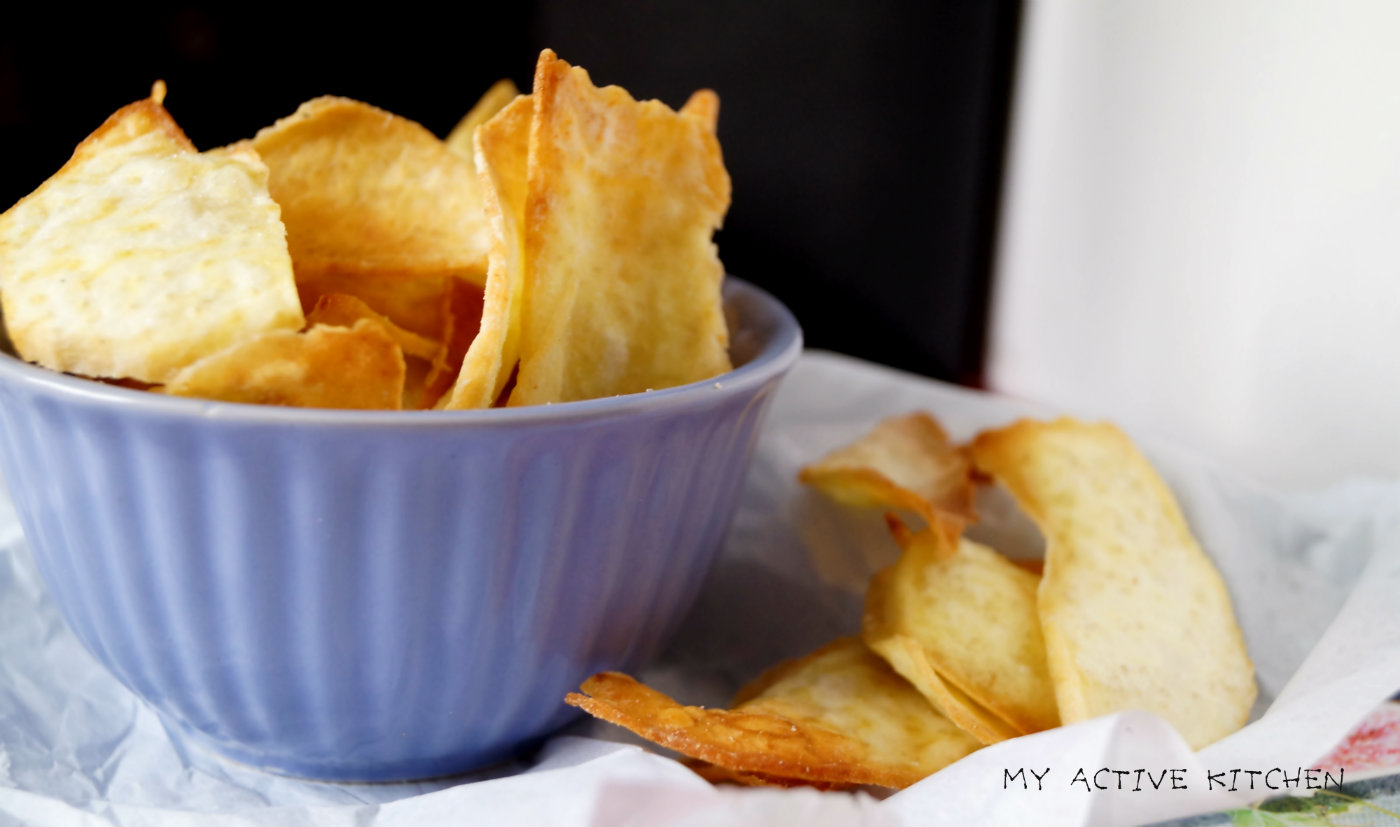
{"type": "Point", "coordinates": [1201, 230]}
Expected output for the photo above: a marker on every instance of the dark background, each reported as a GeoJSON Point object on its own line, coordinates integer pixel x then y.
{"type": "Point", "coordinates": [865, 140]}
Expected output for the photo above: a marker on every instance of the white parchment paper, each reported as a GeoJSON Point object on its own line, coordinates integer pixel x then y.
{"type": "Point", "coordinates": [1315, 579]}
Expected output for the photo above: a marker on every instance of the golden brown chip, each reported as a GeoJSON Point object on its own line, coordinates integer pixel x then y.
{"type": "Point", "coordinates": [424, 359]}
{"type": "Point", "coordinates": [459, 140]}
{"type": "Point", "coordinates": [1134, 614]}
{"type": "Point", "coordinates": [141, 256]}
{"type": "Point", "coordinates": [622, 281]}
{"type": "Point", "coordinates": [414, 302]}
{"type": "Point", "coordinates": [904, 462]}
{"type": "Point", "coordinates": [502, 146]}
{"type": "Point", "coordinates": [703, 105]}
{"type": "Point", "coordinates": [367, 192]}
{"type": "Point", "coordinates": [721, 775]}
{"type": "Point", "coordinates": [417, 395]}
{"type": "Point", "coordinates": [325, 367]}
{"type": "Point", "coordinates": [839, 715]}
{"type": "Point", "coordinates": [465, 304]}
{"type": "Point", "coordinates": [340, 310]}
{"type": "Point", "coordinates": [907, 658]}
{"type": "Point", "coordinates": [963, 628]}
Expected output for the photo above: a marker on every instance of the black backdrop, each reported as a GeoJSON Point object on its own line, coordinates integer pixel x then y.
{"type": "Point", "coordinates": [865, 140]}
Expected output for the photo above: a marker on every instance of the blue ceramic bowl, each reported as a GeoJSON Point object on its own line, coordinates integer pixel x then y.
{"type": "Point", "coordinates": [380, 595]}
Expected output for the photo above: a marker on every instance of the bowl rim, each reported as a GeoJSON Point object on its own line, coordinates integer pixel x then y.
{"type": "Point", "coordinates": [760, 312]}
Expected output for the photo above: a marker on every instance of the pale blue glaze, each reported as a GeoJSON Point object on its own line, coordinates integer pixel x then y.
{"type": "Point", "coordinates": [378, 595]}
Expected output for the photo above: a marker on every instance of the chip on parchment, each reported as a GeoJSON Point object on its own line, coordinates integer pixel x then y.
{"type": "Point", "coordinates": [721, 775]}
{"type": "Point", "coordinates": [905, 656]}
{"type": "Point", "coordinates": [502, 148]}
{"type": "Point", "coordinates": [140, 255]}
{"type": "Point", "coordinates": [459, 140]}
{"type": "Point", "coordinates": [1134, 614]}
{"type": "Point", "coordinates": [622, 280]}
{"type": "Point", "coordinates": [325, 367]}
{"type": "Point", "coordinates": [963, 628]}
{"type": "Point", "coordinates": [364, 191]}
{"type": "Point", "coordinates": [904, 462]}
{"type": "Point", "coordinates": [839, 715]}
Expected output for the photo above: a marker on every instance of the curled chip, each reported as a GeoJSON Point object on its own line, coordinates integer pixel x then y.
{"type": "Point", "coordinates": [460, 139]}
{"type": "Point", "coordinates": [364, 191]}
{"type": "Point", "coordinates": [1134, 614]}
{"type": "Point", "coordinates": [962, 627]}
{"type": "Point", "coordinates": [141, 256]}
{"type": "Point", "coordinates": [418, 302]}
{"type": "Point", "coordinates": [326, 367]}
{"type": "Point", "coordinates": [424, 359]}
{"type": "Point", "coordinates": [622, 283]}
{"type": "Point", "coordinates": [837, 716]}
{"type": "Point", "coordinates": [340, 310]}
{"type": "Point", "coordinates": [502, 145]}
{"type": "Point", "coordinates": [904, 462]}
{"type": "Point", "coordinates": [557, 246]}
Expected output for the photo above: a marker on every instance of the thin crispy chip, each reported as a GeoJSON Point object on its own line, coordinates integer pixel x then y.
{"type": "Point", "coordinates": [839, 715]}
{"type": "Point", "coordinates": [703, 105]}
{"type": "Point", "coordinates": [364, 191]}
{"type": "Point", "coordinates": [502, 146]}
{"type": "Point", "coordinates": [904, 462]}
{"type": "Point", "coordinates": [417, 395]}
{"type": "Point", "coordinates": [418, 302]}
{"type": "Point", "coordinates": [340, 310]}
{"type": "Point", "coordinates": [465, 304]}
{"type": "Point", "coordinates": [424, 359]}
{"type": "Point", "coordinates": [621, 275]}
{"type": "Point", "coordinates": [141, 256]}
{"type": "Point", "coordinates": [721, 775]}
{"type": "Point", "coordinates": [325, 367]}
{"type": "Point", "coordinates": [963, 629]}
{"type": "Point", "coordinates": [907, 658]}
{"type": "Point", "coordinates": [459, 140]}
{"type": "Point", "coordinates": [1134, 614]}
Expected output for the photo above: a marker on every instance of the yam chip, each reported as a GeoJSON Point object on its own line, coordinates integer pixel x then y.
{"type": "Point", "coordinates": [1134, 614]}
{"type": "Point", "coordinates": [905, 656]}
{"type": "Point", "coordinates": [963, 629]}
{"type": "Point", "coordinates": [325, 367]}
{"type": "Point", "coordinates": [837, 716]}
{"type": "Point", "coordinates": [366, 192]}
{"type": "Point", "coordinates": [720, 775]}
{"type": "Point", "coordinates": [621, 275]}
{"type": "Point", "coordinates": [340, 310]}
{"type": "Point", "coordinates": [704, 106]}
{"type": "Point", "coordinates": [460, 139]}
{"type": "Point", "coordinates": [502, 146]}
{"type": "Point", "coordinates": [141, 255]}
{"type": "Point", "coordinates": [904, 462]}
{"type": "Point", "coordinates": [417, 302]}
{"type": "Point", "coordinates": [465, 303]}
{"type": "Point", "coordinates": [424, 359]}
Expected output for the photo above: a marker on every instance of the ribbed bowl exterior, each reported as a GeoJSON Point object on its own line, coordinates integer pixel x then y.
{"type": "Point", "coordinates": [378, 596]}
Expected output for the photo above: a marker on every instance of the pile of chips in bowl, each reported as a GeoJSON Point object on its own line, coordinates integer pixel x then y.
{"type": "Point", "coordinates": [557, 246]}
